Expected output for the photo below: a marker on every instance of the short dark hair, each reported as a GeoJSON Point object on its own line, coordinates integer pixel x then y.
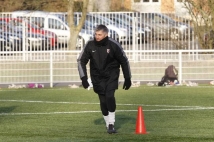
{"type": "Point", "coordinates": [101, 27]}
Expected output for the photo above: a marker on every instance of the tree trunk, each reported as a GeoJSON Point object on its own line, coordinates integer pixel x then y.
{"type": "Point", "coordinates": [75, 29]}
{"type": "Point", "coordinates": [103, 5]}
{"type": "Point", "coordinates": [91, 5]}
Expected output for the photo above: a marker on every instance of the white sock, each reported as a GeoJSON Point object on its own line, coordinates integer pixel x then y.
{"type": "Point", "coordinates": [106, 118]}
{"type": "Point", "coordinates": [111, 117]}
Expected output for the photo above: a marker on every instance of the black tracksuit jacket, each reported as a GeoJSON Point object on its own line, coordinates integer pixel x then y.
{"type": "Point", "coordinates": [105, 60]}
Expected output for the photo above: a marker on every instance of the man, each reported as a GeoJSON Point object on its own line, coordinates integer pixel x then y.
{"type": "Point", "coordinates": [105, 55]}
{"type": "Point", "coordinates": [170, 77]}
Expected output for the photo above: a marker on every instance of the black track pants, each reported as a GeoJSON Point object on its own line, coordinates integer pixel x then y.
{"type": "Point", "coordinates": [107, 102]}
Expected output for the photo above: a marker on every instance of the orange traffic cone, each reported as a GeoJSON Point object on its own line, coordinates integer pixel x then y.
{"type": "Point", "coordinates": [140, 126]}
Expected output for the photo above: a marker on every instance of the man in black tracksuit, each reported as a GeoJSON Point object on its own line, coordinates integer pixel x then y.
{"type": "Point", "coordinates": [106, 56]}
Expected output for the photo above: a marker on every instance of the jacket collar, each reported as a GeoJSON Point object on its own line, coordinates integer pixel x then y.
{"type": "Point", "coordinates": [103, 42]}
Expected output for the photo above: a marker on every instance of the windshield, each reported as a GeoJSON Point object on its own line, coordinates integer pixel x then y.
{"type": "Point", "coordinates": [99, 19]}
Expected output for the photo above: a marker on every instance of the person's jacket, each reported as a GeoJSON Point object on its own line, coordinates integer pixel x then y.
{"type": "Point", "coordinates": [105, 60]}
{"type": "Point", "coordinates": [171, 72]}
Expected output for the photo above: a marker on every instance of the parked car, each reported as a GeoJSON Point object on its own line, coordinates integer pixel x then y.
{"type": "Point", "coordinates": [142, 32]}
{"type": "Point", "coordinates": [3, 44]}
{"type": "Point", "coordinates": [89, 27]}
{"type": "Point", "coordinates": [13, 42]}
{"type": "Point", "coordinates": [15, 36]}
{"type": "Point", "coordinates": [17, 24]}
{"type": "Point", "coordinates": [81, 41]}
{"type": "Point", "coordinates": [165, 27]}
{"type": "Point", "coordinates": [118, 33]}
{"type": "Point", "coordinates": [51, 23]}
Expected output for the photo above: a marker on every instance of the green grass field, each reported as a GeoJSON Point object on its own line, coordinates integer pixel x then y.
{"type": "Point", "coordinates": [171, 114]}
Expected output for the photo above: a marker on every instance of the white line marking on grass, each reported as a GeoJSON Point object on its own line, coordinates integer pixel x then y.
{"type": "Point", "coordinates": [156, 105]}
{"type": "Point", "coordinates": [48, 113]}
{"type": "Point", "coordinates": [79, 112]}
{"type": "Point", "coordinates": [8, 90]}
{"type": "Point", "coordinates": [191, 108]}
{"type": "Point", "coordinates": [36, 89]}
{"type": "Point", "coordinates": [85, 103]}
{"type": "Point", "coordinates": [48, 102]}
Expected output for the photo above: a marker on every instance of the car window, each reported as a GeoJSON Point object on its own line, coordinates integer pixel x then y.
{"type": "Point", "coordinates": [15, 24]}
{"type": "Point", "coordinates": [158, 18]}
{"type": "Point", "coordinates": [55, 24]}
{"type": "Point", "coordinates": [96, 19]}
{"type": "Point", "coordinates": [39, 21]}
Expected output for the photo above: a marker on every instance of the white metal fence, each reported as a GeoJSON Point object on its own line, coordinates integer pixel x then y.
{"type": "Point", "coordinates": [192, 65]}
{"type": "Point", "coordinates": [37, 30]}
{"type": "Point", "coordinates": [34, 46]}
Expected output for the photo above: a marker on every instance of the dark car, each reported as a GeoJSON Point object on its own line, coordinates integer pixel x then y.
{"type": "Point", "coordinates": [165, 27]}
{"type": "Point", "coordinates": [32, 28]}
{"type": "Point", "coordinates": [33, 41]}
{"type": "Point", "coordinates": [143, 32]}
{"type": "Point", "coordinates": [89, 27]}
{"type": "Point", "coordinates": [116, 31]}
{"type": "Point", "coordinates": [8, 42]}
{"type": "Point", "coordinates": [3, 40]}
{"type": "Point", "coordinates": [3, 44]}
{"type": "Point", "coordinates": [14, 41]}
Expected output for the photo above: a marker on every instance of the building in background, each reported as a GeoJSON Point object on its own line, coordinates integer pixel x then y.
{"type": "Point", "coordinates": [162, 6]}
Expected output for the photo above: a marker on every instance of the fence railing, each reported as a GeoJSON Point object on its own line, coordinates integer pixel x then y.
{"type": "Point", "coordinates": [34, 46]}
{"type": "Point", "coordinates": [40, 31]}
{"type": "Point", "coordinates": [54, 67]}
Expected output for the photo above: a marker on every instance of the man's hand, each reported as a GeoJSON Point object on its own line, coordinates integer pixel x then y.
{"type": "Point", "coordinates": [85, 83]}
{"type": "Point", "coordinates": [127, 84]}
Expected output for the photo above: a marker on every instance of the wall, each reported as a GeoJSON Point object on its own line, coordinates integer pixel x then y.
{"type": "Point", "coordinates": [146, 6]}
{"type": "Point", "coordinates": [163, 6]}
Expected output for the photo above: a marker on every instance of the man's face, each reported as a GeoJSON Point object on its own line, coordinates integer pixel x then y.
{"type": "Point", "coordinates": [99, 35]}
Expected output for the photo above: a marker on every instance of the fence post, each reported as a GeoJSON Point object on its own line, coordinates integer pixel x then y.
{"type": "Point", "coordinates": [23, 40]}
{"type": "Point", "coordinates": [180, 66]}
{"type": "Point", "coordinates": [51, 69]}
{"type": "Point", "coordinates": [134, 38]}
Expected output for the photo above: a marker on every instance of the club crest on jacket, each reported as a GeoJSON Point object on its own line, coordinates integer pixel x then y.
{"type": "Point", "coordinates": [108, 50]}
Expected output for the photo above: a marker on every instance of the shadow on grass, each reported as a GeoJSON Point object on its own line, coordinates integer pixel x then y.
{"type": "Point", "coordinates": [119, 122]}
{"type": "Point", "coordinates": [4, 110]}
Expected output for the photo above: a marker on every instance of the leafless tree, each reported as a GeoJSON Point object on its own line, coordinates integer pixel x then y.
{"type": "Point", "coordinates": [99, 5]}
{"type": "Point", "coordinates": [103, 5]}
{"type": "Point", "coordinates": [202, 13]}
{"type": "Point", "coordinates": [75, 29]}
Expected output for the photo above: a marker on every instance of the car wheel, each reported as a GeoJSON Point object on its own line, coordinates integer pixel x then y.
{"type": "Point", "coordinates": [80, 43]}
{"type": "Point", "coordinates": [2, 46]}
